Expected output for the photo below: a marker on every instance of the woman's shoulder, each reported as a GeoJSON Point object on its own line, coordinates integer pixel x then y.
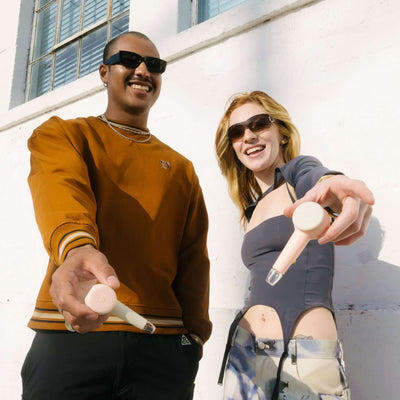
{"type": "Point", "coordinates": [302, 161]}
{"type": "Point", "coordinates": [303, 173]}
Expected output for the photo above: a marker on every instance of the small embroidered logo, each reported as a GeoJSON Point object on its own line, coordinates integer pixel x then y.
{"type": "Point", "coordinates": [165, 164]}
{"type": "Point", "coordinates": [185, 341]}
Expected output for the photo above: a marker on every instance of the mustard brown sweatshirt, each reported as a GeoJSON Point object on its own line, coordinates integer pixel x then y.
{"type": "Point", "coordinates": [138, 203]}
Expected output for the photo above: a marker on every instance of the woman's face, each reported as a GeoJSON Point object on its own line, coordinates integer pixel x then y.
{"type": "Point", "coordinates": [260, 152]}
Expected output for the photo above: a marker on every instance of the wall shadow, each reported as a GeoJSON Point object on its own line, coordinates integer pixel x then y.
{"type": "Point", "coordinates": [366, 300]}
{"type": "Point", "coordinates": [361, 278]}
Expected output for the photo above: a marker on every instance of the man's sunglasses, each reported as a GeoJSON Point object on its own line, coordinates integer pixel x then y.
{"type": "Point", "coordinates": [132, 60]}
{"type": "Point", "coordinates": [256, 124]}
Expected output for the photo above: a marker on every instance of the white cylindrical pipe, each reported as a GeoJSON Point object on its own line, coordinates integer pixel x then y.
{"type": "Point", "coordinates": [310, 220]}
{"type": "Point", "coordinates": [103, 300]}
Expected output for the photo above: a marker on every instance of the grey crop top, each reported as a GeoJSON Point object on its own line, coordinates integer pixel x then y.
{"type": "Point", "coordinates": [308, 283]}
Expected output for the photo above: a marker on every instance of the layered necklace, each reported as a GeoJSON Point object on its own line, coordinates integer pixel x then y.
{"type": "Point", "coordinates": [126, 128]}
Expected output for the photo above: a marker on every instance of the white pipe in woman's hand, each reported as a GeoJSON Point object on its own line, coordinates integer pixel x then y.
{"type": "Point", "coordinates": [310, 220]}
{"type": "Point", "coordinates": [103, 300]}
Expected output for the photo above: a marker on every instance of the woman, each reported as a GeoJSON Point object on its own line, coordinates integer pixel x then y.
{"type": "Point", "coordinates": [284, 341]}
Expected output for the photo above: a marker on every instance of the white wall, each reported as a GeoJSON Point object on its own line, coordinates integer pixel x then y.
{"type": "Point", "coordinates": [334, 65]}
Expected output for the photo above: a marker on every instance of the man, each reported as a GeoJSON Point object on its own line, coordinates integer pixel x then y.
{"type": "Point", "coordinates": [116, 205]}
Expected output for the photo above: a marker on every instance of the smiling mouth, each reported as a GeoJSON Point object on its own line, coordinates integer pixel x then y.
{"type": "Point", "coordinates": [138, 86]}
{"type": "Point", "coordinates": [254, 150]}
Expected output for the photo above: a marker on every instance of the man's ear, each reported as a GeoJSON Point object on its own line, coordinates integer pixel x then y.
{"type": "Point", "coordinates": [103, 72]}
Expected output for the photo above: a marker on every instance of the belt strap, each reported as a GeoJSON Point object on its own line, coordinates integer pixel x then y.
{"type": "Point", "coordinates": [229, 342]}
{"type": "Point", "coordinates": [275, 393]}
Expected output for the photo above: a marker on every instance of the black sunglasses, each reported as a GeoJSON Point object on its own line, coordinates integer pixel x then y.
{"type": "Point", "coordinates": [132, 60]}
{"type": "Point", "coordinates": [257, 123]}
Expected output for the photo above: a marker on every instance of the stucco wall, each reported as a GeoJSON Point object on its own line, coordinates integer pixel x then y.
{"type": "Point", "coordinates": [334, 65]}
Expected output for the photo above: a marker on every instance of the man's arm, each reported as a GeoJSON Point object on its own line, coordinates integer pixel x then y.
{"type": "Point", "coordinates": [64, 203]}
{"type": "Point", "coordinates": [65, 209]}
{"type": "Point", "coordinates": [191, 284]}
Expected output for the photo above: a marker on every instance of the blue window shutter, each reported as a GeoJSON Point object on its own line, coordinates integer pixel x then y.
{"type": "Point", "coordinates": [45, 31]}
{"type": "Point", "coordinates": [92, 51]}
{"type": "Point", "coordinates": [94, 11]}
{"type": "Point", "coordinates": [119, 6]}
{"type": "Point", "coordinates": [210, 8]}
{"type": "Point", "coordinates": [41, 77]}
{"type": "Point", "coordinates": [65, 65]}
{"type": "Point", "coordinates": [119, 26]}
{"type": "Point", "coordinates": [70, 19]}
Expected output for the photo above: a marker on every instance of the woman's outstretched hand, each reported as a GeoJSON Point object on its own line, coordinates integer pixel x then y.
{"type": "Point", "coordinates": [350, 198]}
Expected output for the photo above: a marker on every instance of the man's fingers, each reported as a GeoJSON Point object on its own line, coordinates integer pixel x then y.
{"type": "Point", "coordinates": [75, 308]}
{"type": "Point", "coordinates": [102, 270]}
{"type": "Point", "coordinates": [82, 268]}
{"type": "Point", "coordinates": [108, 277]}
{"type": "Point", "coordinates": [83, 324]}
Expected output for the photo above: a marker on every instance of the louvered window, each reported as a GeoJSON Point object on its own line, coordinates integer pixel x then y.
{"type": "Point", "coordinates": [207, 9]}
{"type": "Point", "coordinates": [68, 39]}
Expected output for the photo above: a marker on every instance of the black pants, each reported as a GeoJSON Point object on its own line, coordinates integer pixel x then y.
{"type": "Point", "coordinates": [110, 366]}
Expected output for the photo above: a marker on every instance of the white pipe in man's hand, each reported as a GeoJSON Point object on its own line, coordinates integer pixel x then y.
{"type": "Point", "coordinates": [310, 220]}
{"type": "Point", "coordinates": [103, 300]}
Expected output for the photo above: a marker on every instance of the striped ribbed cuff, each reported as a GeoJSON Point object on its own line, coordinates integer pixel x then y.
{"type": "Point", "coordinates": [72, 240]}
{"type": "Point", "coordinates": [68, 236]}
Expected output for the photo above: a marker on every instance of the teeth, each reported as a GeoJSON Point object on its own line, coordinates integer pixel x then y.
{"type": "Point", "coordinates": [254, 149]}
{"type": "Point", "coordinates": [140, 87]}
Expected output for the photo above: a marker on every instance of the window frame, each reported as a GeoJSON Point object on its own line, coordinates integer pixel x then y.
{"type": "Point", "coordinates": [195, 11]}
{"type": "Point", "coordinates": [57, 46]}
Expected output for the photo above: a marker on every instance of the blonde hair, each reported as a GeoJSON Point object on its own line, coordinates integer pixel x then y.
{"type": "Point", "coordinates": [242, 185]}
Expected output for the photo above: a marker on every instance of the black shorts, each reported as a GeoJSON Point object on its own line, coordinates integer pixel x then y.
{"type": "Point", "coordinates": [110, 365]}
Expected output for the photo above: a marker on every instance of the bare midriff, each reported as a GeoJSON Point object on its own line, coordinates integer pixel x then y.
{"type": "Point", "coordinates": [264, 322]}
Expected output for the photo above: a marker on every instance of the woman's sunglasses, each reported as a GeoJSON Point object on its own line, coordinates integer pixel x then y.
{"type": "Point", "coordinates": [256, 124]}
{"type": "Point", "coordinates": [132, 60]}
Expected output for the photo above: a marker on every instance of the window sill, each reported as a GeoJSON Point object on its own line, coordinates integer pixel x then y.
{"type": "Point", "coordinates": [51, 101]}
{"type": "Point", "coordinates": [232, 22]}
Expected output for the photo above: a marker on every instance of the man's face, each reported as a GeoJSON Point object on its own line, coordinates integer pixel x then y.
{"type": "Point", "coordinates": [131, 90]}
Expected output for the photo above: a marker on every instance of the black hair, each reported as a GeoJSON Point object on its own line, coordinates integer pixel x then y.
{"type": "Point", "coordinates": [110, 44]}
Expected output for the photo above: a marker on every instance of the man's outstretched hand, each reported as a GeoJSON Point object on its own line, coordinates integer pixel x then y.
{"type": "Point", "coordinates": [82, 268]}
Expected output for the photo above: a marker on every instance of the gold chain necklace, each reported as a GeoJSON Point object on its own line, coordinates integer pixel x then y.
{"type": "Point", "coordinates": [126, 128]}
